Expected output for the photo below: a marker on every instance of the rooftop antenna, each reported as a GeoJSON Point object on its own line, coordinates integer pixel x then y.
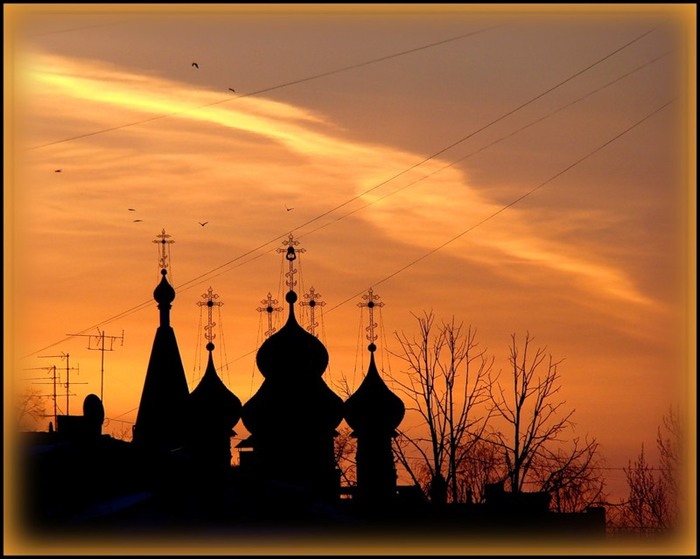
{"type": "Point", "coordinates": [53, 378]}
{"type": "Point", "coordinates": [99, 342]}
{"type": "Point", "coordinates": [65, 356]}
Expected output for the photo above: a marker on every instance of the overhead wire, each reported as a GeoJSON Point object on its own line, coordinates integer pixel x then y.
{"type": "Point", "coordinates": [196, 280]}
{"type": "Point", "coordinates": [266, 89]}
{"type": "Point", "coordinates": [509, 205]}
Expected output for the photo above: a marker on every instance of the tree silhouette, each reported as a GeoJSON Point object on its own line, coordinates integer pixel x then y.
{"type": "Point", "coordinates": [654, 500]}
{"type": "Point", "coordinates": [447, 381]}
{"type": "Point", "coordinates": [536, 426]}
{"type": "Point", "coordinates": [30, 408]}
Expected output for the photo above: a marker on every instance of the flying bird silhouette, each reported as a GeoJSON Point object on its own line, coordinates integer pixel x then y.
{"type": "Point", "coordinates": [231, 89]}
{"type": "Point", "coordinates": [58, 170]}
{"type": "Point", "coordinates": [132, 210]}
{"type": "Point", "coordinates": [195, 65]}
{"type": "Point", "coordinates": [202, 224]}
{"type": "Point", "coordinates": [288, 209]}
{"type": "Point", "coordinates": [137, 220]}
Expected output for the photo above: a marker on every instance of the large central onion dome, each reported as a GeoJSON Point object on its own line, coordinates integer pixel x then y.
{"type": "Point", "coordinates": [292, 349]}
{"type": "Point", "coordinates": [292, 361]}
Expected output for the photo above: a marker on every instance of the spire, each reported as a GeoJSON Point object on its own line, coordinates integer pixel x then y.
{"type": "Point", "coordinates": [213, 409]}
{"type": "Point", "coordinates": [373, 407]}
{"type": "Point", "coordinates": [374, 412]}
{"type": "Point", "coordinates": [160, 422]}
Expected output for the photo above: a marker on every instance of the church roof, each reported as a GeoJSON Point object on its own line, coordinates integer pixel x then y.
{"type": "Point", "coordinates": [373, 407]}
{"type": "Point", "coordinates": [160, 420]}
{"type": "Point", "coordinates": [212, 402]}
{"type": "Point", "coordinates": [292, 361]}
{"type": "Point", "coordinates": [292, 349]}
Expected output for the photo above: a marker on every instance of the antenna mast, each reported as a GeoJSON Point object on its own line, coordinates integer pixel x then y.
{"type": "Point", "coordinates": [99, 341]}
{"type": "Point", "coordinates": [68, 370]}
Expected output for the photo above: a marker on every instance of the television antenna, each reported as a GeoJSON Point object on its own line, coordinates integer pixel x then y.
{"type": "Point", "coordinates": [65, 356]}
{"type": "Point", "coordinates": [100, 345]}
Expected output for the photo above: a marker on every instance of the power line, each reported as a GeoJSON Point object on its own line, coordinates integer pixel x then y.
{"type": "Point", "coordinates": [190, 283]}
{"type": "Point", "coordinates": [500, 210]}
{"type": "Point", "coordinates": [267, 89]}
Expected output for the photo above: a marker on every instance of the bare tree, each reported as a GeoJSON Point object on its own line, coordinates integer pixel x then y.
{"type": "Point", "coordinates": [653, 504]}
{"type": "Point", "coordinates": [571, 476]}
{"type": "Point", "coordinates": [345, 446]}
{"type": "Point", "coordinates": [30, 408]}
{"type": "Point", "coordinates": [645, 509]}
{"type": "Point", "coordinates": [446, 383]}
{"type": "Point", "coordinates": [536, 425]}
{"type": "Point", "coordinates": [668, 442]}
{"type": "Point", "coordinates": [484, 467]}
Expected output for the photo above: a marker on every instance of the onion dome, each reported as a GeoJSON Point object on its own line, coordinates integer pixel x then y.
{"type": "Point", "coordinates": [292, 349]}
{"type": "Point", "coordinates": [164, 293]}
{"type": "Point", "coordinates": [211, 402]}
{"type": "Point", "coordinates": [373, 407]}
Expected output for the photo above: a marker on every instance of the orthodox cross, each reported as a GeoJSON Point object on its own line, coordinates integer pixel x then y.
{"type": "Point", "coordinates": [313, 300]}
{"type": "Point", "coordinates": [210, 303]}
{"type": "Point", "coordinates": [161, 239]}
{"type": "Point", "coordinates": [269, 309]}
{"type": "Point", "coordinates": [370, 304]}
{"type": "Point", "coordinates": [291, 256]}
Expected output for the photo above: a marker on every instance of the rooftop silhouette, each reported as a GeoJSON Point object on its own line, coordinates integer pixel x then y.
{"type": "Point", "coordinates": [177, 473]}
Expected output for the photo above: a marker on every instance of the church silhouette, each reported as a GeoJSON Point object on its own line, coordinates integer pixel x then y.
{"type": "Point", "coordinates": [176, 475]}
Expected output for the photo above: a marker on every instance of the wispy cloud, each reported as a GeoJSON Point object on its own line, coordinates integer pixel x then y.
{"type": "Point", "coordinates": [426, 215]}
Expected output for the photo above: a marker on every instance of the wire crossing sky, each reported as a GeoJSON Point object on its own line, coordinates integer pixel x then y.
{"type": "Point", "coordinates": [208, 275]}
{"type": "Point", "coordinates": [447, 115]}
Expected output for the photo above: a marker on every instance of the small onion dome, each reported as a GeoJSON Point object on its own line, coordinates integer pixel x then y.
{"type": "Point", "coordinates": [292, 349]}
{"type": "Point", "coordinates": [212, 403]}
{"type": "Point", "coordinates": [310, 406]}
{"type": "Point", "coordinates": [164, 292]}
{"type": "Point", "coordinates": [373, 407]}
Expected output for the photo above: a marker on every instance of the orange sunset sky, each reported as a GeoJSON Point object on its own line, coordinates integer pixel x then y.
{"type": "Point", "coordinates": [526, 170]}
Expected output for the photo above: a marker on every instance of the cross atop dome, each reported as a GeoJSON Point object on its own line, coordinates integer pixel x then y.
{"type": "Point", "coordinates": [210, 302]}
{"type": "Point", "coordinates": [291, 256]}
{"type": "Point", "coordinates": [370, 304]}
{"type": "Point", "coordinates": [313, 301]}
{"type": "Point", "coordinates": [269, 308]}
{"type": "Point", "coordinates": [162, 240]}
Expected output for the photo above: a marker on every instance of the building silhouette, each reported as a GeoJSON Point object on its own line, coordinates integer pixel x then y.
{"type": "Point", "coordinates": [177, 473]}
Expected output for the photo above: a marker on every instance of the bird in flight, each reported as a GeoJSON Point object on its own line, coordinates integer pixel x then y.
{"type": "Point", "coordinates": [202, 224]}
{"type": "Point", "coordinates": [231, 89]}
{"type": "Point", "coordinates": [137, 220]}
{"type": "Point", "coordinates": [132, 210]}
{"type": "Point", "coordinates": [195, 65]}
{"type": "Point", "coordinates": [58, 170]}
{"type": "Point", "coordinates": [288, 209]}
